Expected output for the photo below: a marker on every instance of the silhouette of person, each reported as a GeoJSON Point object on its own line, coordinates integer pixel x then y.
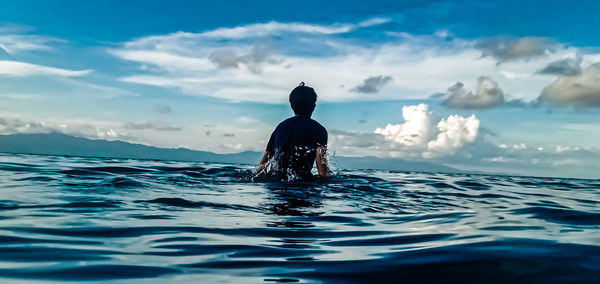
{"type": "Point", "coordinates": [297, 142]}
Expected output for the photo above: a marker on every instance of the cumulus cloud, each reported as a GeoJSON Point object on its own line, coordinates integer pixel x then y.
{"type": "Point", "coordinates": [423, 134]}
{"type": "Point", "coordinates": [454, 132]}
{"type": "Point", "coordinates": [564, 67]}
{"type": "Point", "coordinates": [418, 129]}
{"type": "Point", "coordinates": [151, 126]}
{"type": "Point", "coordinates": [372, 84]}
{"type": "Point", "coordinates": [581, 90]}
{"type": "Point", "coordinates": [488, 94]}
{"type": "Point", "coordinates": [430, 134]}
{"type": "Point", "coordinates": [22, 69]}
{"type": "Point", "coordinates": [507, 49]}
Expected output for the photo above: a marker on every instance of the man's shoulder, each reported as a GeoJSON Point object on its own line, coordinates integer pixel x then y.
{"type": "Point", "coordinates": [286, 122]}
{"type": "Point", "coordinates": [294, 120]}
{"type": "Point", "coordinates": [318, 125]}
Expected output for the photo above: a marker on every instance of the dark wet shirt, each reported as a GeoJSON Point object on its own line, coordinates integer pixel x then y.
{"type": "Point", "coordinates": [294, 143]}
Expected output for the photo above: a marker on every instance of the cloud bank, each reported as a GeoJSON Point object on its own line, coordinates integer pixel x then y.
{"type": "Point", "coordinates": [257, 63]}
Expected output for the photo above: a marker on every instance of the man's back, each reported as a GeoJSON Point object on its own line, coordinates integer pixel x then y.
{"type": "Point", "coordinates": [294, 144]}
{"type": "Point", "coordinates": [298, 141]}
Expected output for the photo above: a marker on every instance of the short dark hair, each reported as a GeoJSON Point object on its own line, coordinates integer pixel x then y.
{"type": "Point", "coordinates": [303, 99]}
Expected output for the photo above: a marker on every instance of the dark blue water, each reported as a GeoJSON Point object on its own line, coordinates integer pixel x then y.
{"type": "Point", "coordinates": [109, 220]}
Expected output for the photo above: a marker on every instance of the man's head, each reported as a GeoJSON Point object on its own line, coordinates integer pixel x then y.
{"type": "Point", "coordinates": [303, 99]}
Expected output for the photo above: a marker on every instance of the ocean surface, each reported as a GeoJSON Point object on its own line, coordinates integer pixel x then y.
{"type": "Point", "coordinates": [136, 221]}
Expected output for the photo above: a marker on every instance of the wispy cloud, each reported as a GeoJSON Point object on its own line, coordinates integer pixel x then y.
{"type": "Point", "coordinates": [12, 42]}
{"type": "Point", "coordinates": [275, 28]}
{"type": "Point", "coordinates": [226, 66]}
{"type": "Point", "coordinates": [145, 125]}
{"type": "Point", "coordinates": [21, 69]}
{"type": "Point", "coordinates": [374, 22]}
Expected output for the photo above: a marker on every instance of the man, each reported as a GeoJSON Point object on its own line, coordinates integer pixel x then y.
{"type": "Point", "coordinates": [297, 141]}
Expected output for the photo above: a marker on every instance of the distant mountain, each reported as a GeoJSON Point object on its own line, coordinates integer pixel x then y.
{"type": "Point", "coordinates": [66, 145]}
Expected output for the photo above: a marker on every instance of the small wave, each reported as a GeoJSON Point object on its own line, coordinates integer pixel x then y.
{"type": "Point", "coordinates": [560, 215]}
{"type": "Point", "coordinates": [122, 182]}
{"type": "Point", "coordinates": [180, 202]}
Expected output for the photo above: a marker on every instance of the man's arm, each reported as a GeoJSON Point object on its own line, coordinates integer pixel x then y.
{"type": "Point", "coordinates": [263, 162]}
{"type": "Point", "coordinates": [268, 153]}
{"type": "Point", "coordinates": [322, 161]}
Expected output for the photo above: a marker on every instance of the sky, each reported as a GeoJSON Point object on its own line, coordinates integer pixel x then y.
{"type": "Point", "coordinates": [498, 86]}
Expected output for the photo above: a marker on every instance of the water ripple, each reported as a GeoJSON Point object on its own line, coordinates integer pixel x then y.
{"type": "Point", "coordinates": [93, 219]}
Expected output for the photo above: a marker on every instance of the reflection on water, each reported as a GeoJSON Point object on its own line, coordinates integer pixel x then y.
{"type": "Point", "coordinates": [84, 219]}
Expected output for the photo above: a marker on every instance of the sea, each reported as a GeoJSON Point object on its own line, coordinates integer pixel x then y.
{"type": "Point", "coordinates": [106, 220]}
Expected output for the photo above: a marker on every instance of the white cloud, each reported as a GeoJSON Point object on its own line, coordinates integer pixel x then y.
{"type": "Point", "coordinates": [581, 90]}
{"type": "Point", "coordinates": [423, 134]}
{"type": "Point", "coordinates": [454, 133]}
{"type": "Point", "coordinates": [13, 43]}
{"type": "Point", "coordinates": [257, 30]}
{"type": "Point", "coordinates": [459, 144]}
{"type": "Point", "coordinates": [21, 69]}
{"type": "Point", "coordinates": [226, 64]}
{"type": "Point", "coordinates": [430, 135]}
{"type": "Point", "coordinates": [274, 28]}
{"type": "Point", "coordinates": [374, 22]}
{"type": "Point", "coordinates": [418, 129]}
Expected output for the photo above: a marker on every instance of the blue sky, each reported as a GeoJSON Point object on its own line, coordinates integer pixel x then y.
{"type": "Point", "coordinates": [504, 86]}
